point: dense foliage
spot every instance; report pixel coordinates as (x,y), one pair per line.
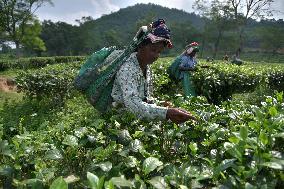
(36,62)
(19,25)
(240,146)
(47,144)
(55,81)
(118,28)
(223,79)
(217,83)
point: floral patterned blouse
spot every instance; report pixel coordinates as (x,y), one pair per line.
(132,90)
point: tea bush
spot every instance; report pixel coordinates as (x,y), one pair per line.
(231,145)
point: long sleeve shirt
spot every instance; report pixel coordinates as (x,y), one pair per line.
(187,62)
(132,90)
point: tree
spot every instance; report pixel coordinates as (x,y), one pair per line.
(84,19)
(243,10)
(87,40)
(111,38)
(31,39)
(272,38)
(183,34)
(5,49)
(16,16)
(145,21)
(63,42)
(219,19)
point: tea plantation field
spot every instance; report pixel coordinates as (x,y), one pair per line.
(52,138)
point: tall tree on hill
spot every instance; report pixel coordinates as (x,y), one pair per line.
(60,38)
(1,36)
(16,16)
(183,34)
(87,41)
(145,21)
(111,38)
(244,10)
(219,19)
(272,38)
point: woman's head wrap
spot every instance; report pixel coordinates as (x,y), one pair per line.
(158,31)
(192,47)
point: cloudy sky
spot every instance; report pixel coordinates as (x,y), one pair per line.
(70,10)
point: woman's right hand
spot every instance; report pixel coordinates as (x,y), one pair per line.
(178,115)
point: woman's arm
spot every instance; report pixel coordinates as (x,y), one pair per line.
(128,80)
(186,69)
(185,64)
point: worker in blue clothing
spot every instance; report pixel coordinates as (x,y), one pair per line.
(188,64)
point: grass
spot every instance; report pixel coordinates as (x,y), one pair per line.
(9,96)
(255,97)
(12,73)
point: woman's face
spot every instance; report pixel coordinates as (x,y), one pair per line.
(151,52)
(192,54)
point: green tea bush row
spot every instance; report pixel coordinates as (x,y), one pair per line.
(229,146)
(53,81)
(217,83)
(221,80)
(37,62)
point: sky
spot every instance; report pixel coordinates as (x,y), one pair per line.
(70,10)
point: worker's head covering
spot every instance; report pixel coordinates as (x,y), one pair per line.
(192,47)
(157,32)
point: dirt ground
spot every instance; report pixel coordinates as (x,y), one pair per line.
(7,84)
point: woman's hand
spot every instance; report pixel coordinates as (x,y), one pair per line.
(177,115)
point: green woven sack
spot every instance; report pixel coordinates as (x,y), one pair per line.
(96,76)
(89,71)
(173,70)
(95,79)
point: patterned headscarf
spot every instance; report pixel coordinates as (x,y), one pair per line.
(192,47)
(158,32)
